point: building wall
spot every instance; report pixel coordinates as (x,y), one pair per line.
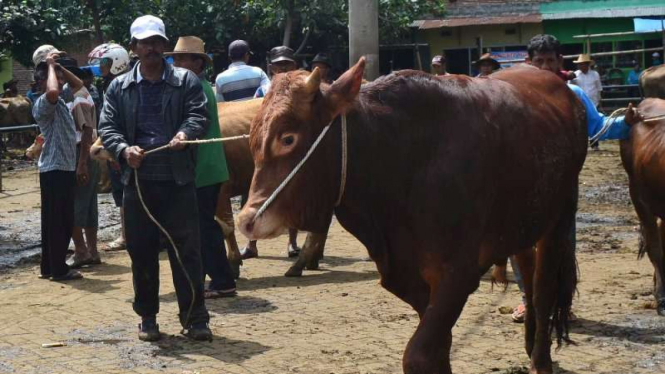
(465,36)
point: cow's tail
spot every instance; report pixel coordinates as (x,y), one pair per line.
(567,276)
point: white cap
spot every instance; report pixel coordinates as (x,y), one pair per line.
(655,54)
(43,51)
(147,26)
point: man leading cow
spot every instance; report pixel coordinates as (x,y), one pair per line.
(153,105)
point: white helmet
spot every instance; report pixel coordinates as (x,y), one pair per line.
(114,52)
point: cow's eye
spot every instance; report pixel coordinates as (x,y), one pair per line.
(287,140)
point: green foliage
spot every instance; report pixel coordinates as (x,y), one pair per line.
(25,25)
(321,24)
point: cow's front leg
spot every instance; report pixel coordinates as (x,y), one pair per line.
(428,351)
(311,254)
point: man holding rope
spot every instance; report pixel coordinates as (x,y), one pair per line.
(151,106)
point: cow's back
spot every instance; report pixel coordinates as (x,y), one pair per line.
(643,156)
(652,82)
(495,154)
(235,119)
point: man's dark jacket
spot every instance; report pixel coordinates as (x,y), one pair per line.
(184,109)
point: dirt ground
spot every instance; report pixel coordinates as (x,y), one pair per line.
(336,320)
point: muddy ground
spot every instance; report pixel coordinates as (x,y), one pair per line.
(336,320)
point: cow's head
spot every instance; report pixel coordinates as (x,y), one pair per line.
(292,116)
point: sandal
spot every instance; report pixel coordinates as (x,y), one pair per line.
(76,262)
(218,294)
(116,245)
(519,313)
(70,275)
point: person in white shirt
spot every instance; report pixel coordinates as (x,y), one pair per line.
(588,79)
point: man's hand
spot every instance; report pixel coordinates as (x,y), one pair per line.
(134,156)
(82,176)
(176,143)
(633,116)
(51,57)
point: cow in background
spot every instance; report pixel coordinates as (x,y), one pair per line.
(643,158)
(652,82)
(234,120)
(445,176)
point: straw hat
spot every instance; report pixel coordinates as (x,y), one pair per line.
(488,57)
(583,58)
(190,45)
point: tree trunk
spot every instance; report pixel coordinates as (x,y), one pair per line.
(304,41)
(92,6)
(288,27)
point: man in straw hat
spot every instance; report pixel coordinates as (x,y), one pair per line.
(153,105)
(588,79)
(486,65)
(211,172)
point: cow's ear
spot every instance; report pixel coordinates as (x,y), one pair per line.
(342,93)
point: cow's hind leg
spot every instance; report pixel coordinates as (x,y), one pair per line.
(224,216)
(651,242)
(554,283)
(428,351)
(526,263)
(311,254)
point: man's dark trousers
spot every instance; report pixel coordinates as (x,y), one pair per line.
(215,263)
(57,196)
(175,208)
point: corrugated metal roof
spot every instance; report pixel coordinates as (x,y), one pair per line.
(456,22)
(607,13)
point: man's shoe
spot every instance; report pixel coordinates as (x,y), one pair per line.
(149,330)
(199,331)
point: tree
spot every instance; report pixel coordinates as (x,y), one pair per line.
(25,25)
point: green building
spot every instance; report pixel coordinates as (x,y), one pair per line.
(505,27)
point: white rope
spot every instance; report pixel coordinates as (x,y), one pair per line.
(302,162)
(342,182)
(202,141)
(611,120)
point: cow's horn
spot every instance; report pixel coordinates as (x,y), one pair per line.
(313,81)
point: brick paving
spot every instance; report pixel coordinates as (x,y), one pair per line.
(336,320)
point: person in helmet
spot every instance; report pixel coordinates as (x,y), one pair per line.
(113,60)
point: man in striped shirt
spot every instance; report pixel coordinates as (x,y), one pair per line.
(57,162)
(240,81)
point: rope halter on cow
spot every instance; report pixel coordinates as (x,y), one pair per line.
(342,183)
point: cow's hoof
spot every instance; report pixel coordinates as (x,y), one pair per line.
(661,308)
(312,265)
(293,272)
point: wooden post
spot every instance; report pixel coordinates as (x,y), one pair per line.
(364,35)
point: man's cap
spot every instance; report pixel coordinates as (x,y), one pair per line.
(40,53)
(147,26)
(322,58)
(238,49)
(655,54)
(488,57)
(71,65)
(190,45)
(281,53)
(438,60)
(583,58)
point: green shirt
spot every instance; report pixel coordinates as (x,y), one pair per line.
(211,162)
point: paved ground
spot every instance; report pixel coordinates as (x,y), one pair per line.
(337,320)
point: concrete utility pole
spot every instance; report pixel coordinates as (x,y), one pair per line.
(364,35)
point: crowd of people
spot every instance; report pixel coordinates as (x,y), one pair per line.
(144,103)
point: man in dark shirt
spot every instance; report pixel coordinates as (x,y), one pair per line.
(153,105)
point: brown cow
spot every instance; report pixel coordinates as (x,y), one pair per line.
(643,157)
(235,119)
(652,82)
(445,176)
